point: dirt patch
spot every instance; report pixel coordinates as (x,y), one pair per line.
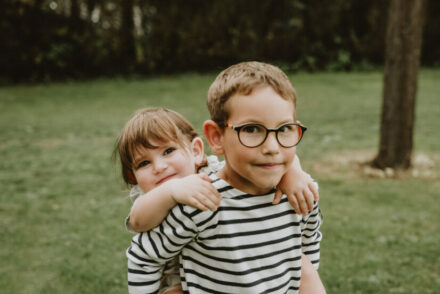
(357,165)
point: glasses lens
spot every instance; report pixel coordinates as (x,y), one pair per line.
(289,135)
(252,135)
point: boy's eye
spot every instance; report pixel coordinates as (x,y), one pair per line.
(143,163)
(286,129)
(169,150)
(252,129)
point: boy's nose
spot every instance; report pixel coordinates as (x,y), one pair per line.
(271,144)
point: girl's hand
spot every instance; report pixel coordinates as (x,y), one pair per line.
(300,189)
(197,191)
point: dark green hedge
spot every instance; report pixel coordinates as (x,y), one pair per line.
(38,43)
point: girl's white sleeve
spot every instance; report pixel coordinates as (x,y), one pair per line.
(213,165)
(135,192)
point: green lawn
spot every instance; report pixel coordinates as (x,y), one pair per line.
(62,203)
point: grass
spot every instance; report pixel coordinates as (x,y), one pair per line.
(62,204)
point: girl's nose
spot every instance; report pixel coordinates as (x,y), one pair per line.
(159,165)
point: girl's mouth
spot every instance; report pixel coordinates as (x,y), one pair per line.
(163,180)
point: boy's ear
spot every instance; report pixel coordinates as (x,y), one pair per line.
(198,150)
(213,134)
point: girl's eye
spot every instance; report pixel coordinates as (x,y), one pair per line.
(143,163)
(169,150)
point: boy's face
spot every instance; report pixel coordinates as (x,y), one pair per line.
(153,167)
(256,170)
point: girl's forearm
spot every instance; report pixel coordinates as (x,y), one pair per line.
(151,209)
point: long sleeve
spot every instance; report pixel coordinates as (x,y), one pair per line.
(149,251)
(311,236)
(248,245)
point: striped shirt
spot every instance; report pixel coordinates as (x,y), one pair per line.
(248,245)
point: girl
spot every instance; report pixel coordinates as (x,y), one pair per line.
(162,158)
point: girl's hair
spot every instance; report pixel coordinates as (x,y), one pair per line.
(148,127)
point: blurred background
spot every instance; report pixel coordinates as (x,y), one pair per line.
(46,40)
(73,72)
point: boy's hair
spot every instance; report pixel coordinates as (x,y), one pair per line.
(243,78)
(148,126)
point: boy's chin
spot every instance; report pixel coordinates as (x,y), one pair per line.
(267,185)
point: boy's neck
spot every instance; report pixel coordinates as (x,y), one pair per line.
(242,184)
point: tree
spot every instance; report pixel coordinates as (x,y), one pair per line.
(402,60)
(127,40)
(74,11)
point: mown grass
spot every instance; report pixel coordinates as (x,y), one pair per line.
(62,204)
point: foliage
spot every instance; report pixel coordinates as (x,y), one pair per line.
(38,44)
(304,34)
(62,204)
(62,39)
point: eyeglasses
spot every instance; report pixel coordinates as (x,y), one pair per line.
(253,135)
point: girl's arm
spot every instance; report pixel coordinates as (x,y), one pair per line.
(149,252)
(299,187)
(151,208)
(310,281)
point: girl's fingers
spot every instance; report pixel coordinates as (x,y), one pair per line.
(205,177)
(277,197)
(312,187)
(294,203)
(197,204)
(208,201)
(308,195)
(209,204)
(302,203)
(212,193)
(207,196)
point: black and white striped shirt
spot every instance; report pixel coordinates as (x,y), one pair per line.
(248,245)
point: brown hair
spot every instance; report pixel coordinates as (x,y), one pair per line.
(243,78)
(150,125)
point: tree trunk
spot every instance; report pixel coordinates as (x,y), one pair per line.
(90,5)
(74,11)
(127,45)
(402,60)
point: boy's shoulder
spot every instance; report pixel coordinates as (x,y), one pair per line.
(224,188)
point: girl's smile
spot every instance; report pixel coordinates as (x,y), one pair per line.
(166,178)
(154,166)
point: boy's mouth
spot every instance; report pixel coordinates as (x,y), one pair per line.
(269,165)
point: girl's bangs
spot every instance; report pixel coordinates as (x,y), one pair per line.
(154,133)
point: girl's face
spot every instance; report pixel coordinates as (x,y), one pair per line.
(169,160)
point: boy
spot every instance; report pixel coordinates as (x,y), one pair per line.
(248,245)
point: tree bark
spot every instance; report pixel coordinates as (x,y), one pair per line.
(402,61)
(127,39)
(90,5)
(74,11)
